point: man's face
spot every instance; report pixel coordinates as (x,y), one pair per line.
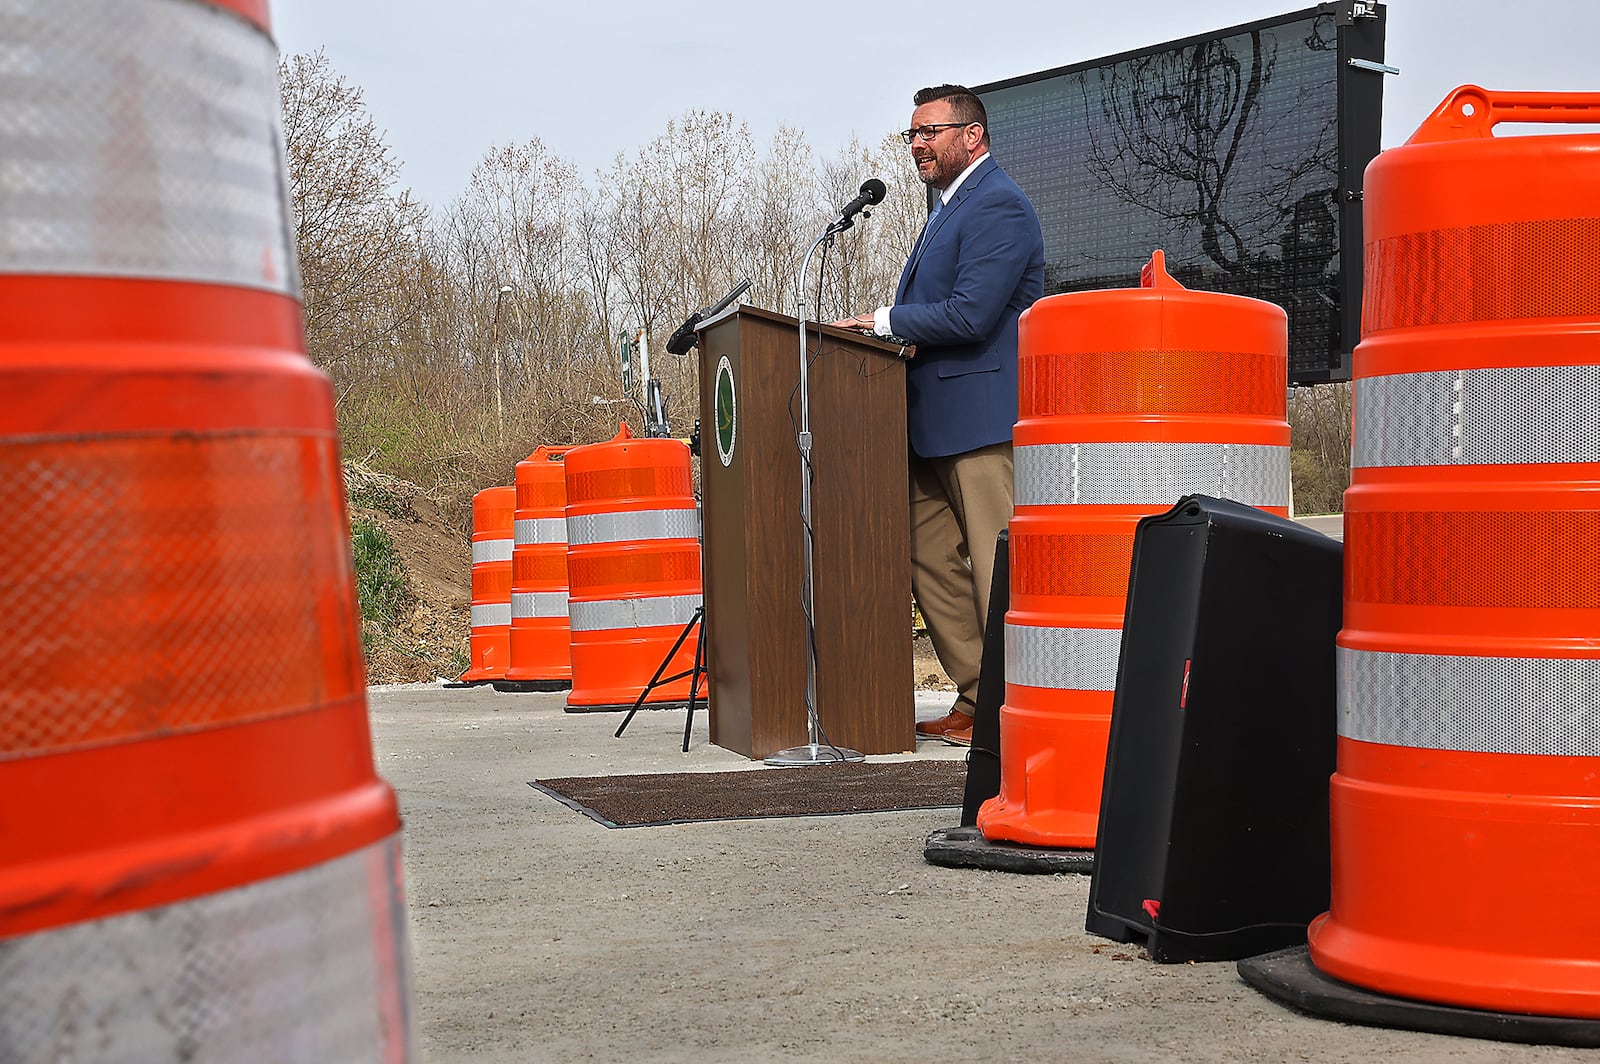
(940,160)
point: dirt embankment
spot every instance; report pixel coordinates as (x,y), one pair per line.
(430,639)
(427,636)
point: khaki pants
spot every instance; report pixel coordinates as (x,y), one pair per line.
(959,504)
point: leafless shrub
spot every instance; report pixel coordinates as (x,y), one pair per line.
(1319,455)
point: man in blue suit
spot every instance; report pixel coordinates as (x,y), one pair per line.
(977,266)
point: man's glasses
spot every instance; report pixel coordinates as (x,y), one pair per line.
(930,131)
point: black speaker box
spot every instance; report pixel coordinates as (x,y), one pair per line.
(1213,834)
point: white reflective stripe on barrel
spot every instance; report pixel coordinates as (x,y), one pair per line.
(628,525)
(1503,416)
(605,614)
(1064,659)
(308,966)
(141,140)
(492,550)
(532,530)
(491,615)
(1150,474)
(1475,704)
(529,604)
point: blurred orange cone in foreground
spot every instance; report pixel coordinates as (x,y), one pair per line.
(197,860)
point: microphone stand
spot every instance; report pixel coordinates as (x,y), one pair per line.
(813,752)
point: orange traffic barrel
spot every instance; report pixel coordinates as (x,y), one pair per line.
(493,543)
(633,566)
(541,636)
(197,859)
(1466,805)
(1129,399)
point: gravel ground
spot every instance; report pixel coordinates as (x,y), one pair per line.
(540,935)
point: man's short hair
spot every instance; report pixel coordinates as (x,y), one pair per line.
(964,106)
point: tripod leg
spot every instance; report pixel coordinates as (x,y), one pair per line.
(656,679)
(695,674)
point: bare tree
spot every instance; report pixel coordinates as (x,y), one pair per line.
(518,203)
(702,165)
(779,214)
(595,226)
(354,233)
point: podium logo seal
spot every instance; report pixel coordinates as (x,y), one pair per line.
(727,411)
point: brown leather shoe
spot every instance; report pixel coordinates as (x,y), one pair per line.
(963,737)
(935,729)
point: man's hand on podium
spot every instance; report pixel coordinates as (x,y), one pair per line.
(863,323)
(858,323)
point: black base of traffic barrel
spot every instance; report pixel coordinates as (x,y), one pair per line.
(1289,977)
(624,707)
(965,847)
(518,687)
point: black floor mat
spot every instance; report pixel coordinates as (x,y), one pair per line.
(821,790)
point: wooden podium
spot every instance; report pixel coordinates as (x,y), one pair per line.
(861,579)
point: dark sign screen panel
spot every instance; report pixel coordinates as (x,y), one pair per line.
(1225,151)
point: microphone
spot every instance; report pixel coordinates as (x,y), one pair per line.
(872,192)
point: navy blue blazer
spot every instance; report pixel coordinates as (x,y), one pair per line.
(976,269)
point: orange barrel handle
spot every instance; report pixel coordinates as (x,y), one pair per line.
(1470,111)
(1153,274)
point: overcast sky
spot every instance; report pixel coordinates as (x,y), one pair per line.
(590,79)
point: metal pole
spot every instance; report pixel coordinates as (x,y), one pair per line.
(494,345)
(813,753)
(644,362)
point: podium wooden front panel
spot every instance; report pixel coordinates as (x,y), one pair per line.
(755,628)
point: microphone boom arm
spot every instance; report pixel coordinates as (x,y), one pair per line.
(683,338)
(726,301)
